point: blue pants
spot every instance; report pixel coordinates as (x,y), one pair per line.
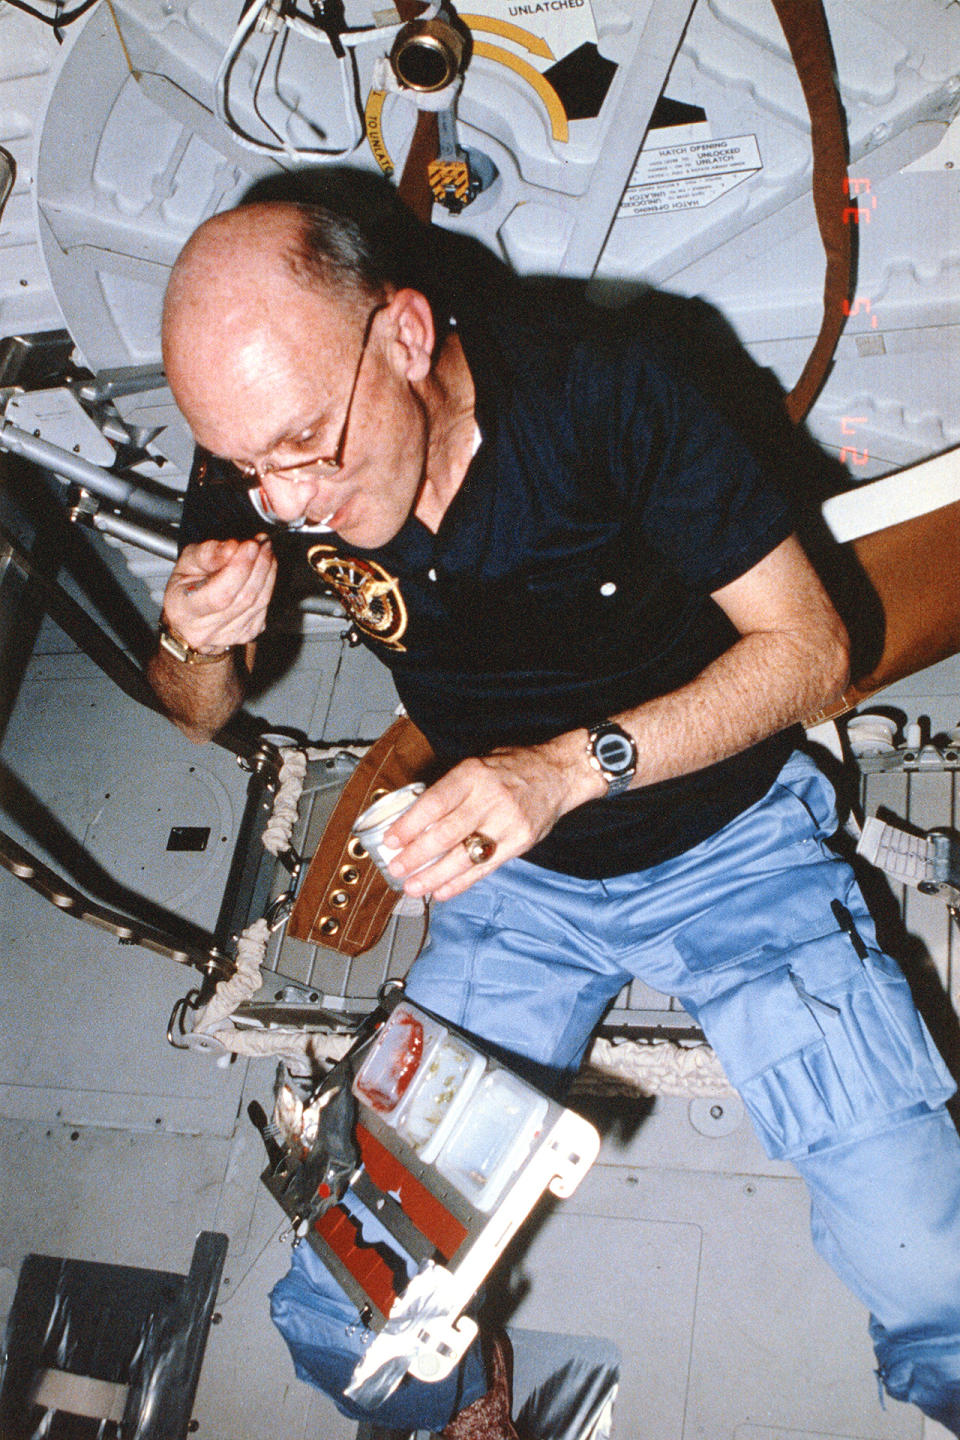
(814,1026)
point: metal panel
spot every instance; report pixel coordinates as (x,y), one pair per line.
(116,212)
(925,798)
(753,249)
(28,57)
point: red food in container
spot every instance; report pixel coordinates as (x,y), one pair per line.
(387,1072)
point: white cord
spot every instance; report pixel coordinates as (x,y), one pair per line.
(283,816)
(247,23)
(213,1020)
(660,1067)
(244,982)
(348,38)
(222,102)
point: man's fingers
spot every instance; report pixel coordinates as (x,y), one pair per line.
(431,833)
(435,807)
(205,558)
(510,797)
(258,585)
(246,568)
(219,592)
(429,842)
(223,585)
(249,623)
(454,872)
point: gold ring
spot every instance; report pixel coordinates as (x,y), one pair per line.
(479,847)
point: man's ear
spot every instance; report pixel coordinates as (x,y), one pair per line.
(415,334)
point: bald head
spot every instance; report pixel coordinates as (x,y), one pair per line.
(231,273)
(252,292)
(257,245)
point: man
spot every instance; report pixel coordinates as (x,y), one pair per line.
(592,601)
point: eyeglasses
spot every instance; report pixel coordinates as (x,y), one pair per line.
(329,464)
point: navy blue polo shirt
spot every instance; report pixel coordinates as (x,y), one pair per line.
(571,575)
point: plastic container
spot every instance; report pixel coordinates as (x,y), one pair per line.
(442,1088)
(373,823)
(405,1043)
(492,1138)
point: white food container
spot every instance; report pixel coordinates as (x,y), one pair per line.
(492,1137)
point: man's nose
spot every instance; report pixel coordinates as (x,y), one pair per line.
(288,496)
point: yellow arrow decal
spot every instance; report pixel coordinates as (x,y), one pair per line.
(534,43)
(373,124)
(549,96)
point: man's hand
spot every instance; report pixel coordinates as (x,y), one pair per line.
(792,655)
(218,593)
(216,599)
(514,797)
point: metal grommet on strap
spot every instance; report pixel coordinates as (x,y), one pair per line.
(328,925)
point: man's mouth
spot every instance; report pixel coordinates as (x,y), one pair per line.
(335,517)
(324,521)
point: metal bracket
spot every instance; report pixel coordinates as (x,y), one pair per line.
(129,931)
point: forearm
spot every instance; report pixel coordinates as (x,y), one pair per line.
(791,657)
(199,699)
(763,684)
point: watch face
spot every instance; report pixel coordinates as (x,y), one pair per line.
(614,752)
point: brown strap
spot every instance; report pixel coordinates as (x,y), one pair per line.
(805,26)
(913,568)
(344,901)
(414,185)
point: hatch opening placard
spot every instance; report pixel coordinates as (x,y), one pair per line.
(689,176)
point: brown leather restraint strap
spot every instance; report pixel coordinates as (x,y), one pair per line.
(344,901)
(414,184)
(913,569)
(414,187)
(805,26)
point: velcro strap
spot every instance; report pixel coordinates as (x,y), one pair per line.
(80,1395)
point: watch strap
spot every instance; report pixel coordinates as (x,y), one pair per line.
(176,646)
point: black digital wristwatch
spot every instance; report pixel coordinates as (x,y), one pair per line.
(614,753)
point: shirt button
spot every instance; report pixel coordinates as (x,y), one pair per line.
(431,574)
(608,588)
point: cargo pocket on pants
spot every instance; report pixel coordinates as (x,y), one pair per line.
(824,1048)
